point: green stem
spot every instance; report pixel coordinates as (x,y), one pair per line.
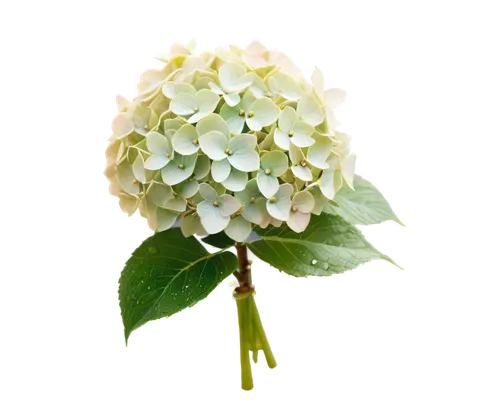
(259,329)
(246,368)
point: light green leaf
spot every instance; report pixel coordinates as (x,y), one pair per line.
(276,161)
(167,274)
(329,245)
(363,206)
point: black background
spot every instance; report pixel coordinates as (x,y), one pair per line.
(328,335)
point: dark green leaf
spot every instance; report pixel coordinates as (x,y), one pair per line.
(219,240)
(166,274)
(328,246)
(363,206)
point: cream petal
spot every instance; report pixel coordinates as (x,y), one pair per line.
(287,119)
(298,221)
(246,162)
(122,126)
(212,122)
(236,181)
(265,112)
(326,184)
(347,166)
(232,99)
(192,64)
(128,203)
(268,184)
(213,222)
(156,162)
(304,201)
(208,192)
(232,116)
(179,169)
(165,219)
(229,75)
(159,193)
(207,100)
(176,204)
(318,81)
(158,144)
(172,89)
(185,140)
(309,110)
(138,168)
(276,161)
(282,139)
(302,140)
(285,86)
(238,229)
(190,224)
(296,155)
(216,88)
(303,173)
(184,104)
(221,170)
(334,97)
(280,209)
(127,180)
(188,188)
(318,153)
(256,212)
(214,145)
(247,101)
(202,167)
(228,205)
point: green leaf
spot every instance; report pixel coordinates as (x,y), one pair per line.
(329,245)
(166,274)
(219,240)
(363,206)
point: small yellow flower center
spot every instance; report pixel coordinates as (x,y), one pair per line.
(228,152)
(251,114)
(273,199)
(216,204)
(267,171)
(253,200)
(196,109)
(294,208)
(242,113)
(303,163)
(290,133)
(180,166)
(195,141)
(135,181)
(169,155)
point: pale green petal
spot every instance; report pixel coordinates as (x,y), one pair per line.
(285,86)
(176,204)
(214,145)
(212,122)
(288,117)
(247,162)
(211,218)
(230,75)
(319,201)
(280,209)
(215,88)
(193,119)
(126,179)
(247,101)
(265,113)
(303,173)
(138,168)
(188,188)
(236,181)
(282,139)
(172,89)
(185,140)
(208,192)
(251,190)
(330,182)
(122,126)
(302,139)
(155,163)
(298,221)
(128,203)
(304,201)
(203,83)
(202,166)
(179,169)
(190,225)
(220,170)
(232,99)
(256,212)
(238,229)
(318,153)
(158,144)
(296,154)
(184,104)
(207,100)
(334,97)
(347,166)
(258,87)
(309,110)
(268,184)
(228,205)
(165,219)
(232,116)
(160,193)
(171,124)
(275,161)
(318,81)
(192,64)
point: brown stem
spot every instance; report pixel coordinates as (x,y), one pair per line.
(244,272)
